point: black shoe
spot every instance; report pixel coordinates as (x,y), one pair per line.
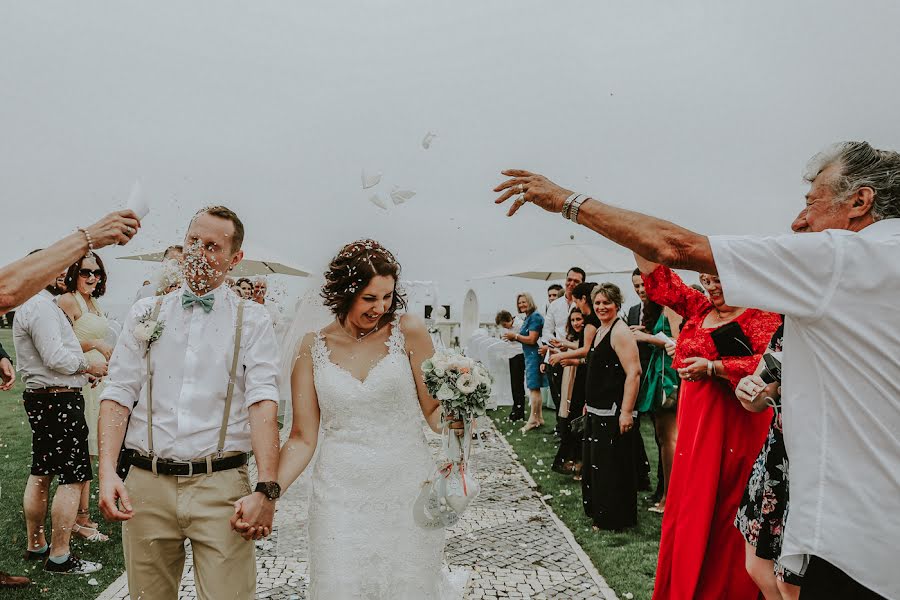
(644,485)
(516,416)
(72,566)
(31,555)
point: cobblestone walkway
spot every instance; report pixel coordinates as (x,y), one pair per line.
(509,541)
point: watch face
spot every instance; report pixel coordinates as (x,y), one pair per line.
(270,488)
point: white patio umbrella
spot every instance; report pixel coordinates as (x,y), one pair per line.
(253,264)
(551,263)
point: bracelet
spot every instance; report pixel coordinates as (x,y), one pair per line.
(567,205)
(576,206)
(710,368)
(90,241)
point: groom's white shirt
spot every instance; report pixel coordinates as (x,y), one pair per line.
(190,363)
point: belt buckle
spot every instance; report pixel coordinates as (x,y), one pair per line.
(189,464)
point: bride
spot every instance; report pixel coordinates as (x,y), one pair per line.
(359,377)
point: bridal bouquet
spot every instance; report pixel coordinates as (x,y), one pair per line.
(462,386)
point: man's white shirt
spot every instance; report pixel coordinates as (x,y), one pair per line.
(556,319)
(47,352)
(839,292)
(190,362)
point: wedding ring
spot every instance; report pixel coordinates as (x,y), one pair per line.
(521,188)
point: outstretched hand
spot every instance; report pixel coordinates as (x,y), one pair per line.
(253,516)
(531,187)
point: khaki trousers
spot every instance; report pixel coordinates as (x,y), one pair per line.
(170,509)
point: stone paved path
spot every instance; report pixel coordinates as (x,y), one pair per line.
(509,541)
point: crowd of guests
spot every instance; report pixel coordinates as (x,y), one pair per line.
(63,341)
(677,357)
(784,482)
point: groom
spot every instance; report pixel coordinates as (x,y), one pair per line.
(196,370)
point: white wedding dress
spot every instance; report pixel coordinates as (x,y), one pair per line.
(372,460)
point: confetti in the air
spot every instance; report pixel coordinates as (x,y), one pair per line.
(400,196)
(378,201)
(429,137)
(369,180)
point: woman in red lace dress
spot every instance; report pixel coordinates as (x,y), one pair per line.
(701,554)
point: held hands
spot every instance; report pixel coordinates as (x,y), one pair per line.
(531,187)
(103,348)
(694,368)
(98,369)
(670,349)
(114,502)
(570,362)
(510,336)
(253,516)
(7,375)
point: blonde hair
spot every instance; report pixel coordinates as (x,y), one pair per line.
(529,302)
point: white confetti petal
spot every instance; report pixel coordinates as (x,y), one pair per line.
(370,180)
(400,196)
(429,137)
(378,201)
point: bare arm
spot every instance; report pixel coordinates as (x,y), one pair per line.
(111,427)
(626,349)
(420,348)
(655,239)
(264,438)
(589,332)
(24,278)
(300,446)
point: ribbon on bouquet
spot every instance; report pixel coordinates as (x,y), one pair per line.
(447,469)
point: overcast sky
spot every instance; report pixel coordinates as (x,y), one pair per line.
(704,113)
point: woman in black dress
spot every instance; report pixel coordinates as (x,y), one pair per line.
(609,485)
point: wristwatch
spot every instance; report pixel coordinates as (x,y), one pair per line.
(270,489)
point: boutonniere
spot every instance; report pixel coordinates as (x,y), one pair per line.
(147,329)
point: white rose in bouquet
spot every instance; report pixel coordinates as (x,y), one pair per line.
(446,393)
(466,383)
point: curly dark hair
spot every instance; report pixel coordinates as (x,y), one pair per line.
(350,272)
(72,276)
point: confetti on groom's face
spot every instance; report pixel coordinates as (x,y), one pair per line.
(208,251)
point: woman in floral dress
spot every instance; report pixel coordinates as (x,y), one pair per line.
(763,510)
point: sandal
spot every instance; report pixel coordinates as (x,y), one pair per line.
(93,537)
(656,509)
(529,426)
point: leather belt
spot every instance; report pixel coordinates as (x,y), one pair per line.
(53,390)
(188,468)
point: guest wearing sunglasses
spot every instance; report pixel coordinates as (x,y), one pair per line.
(85,282)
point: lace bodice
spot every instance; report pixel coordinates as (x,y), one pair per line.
(385,398)
(372,460)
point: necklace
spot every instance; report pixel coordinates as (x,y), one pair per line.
(358,338)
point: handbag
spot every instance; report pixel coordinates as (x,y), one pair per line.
(578,424)
(730,340)
(446,494)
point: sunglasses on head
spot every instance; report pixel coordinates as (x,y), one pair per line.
(86,273)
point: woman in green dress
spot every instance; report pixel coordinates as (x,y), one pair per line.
(659,388)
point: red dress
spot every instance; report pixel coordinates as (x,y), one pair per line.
(701,554)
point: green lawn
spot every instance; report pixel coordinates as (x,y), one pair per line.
(626,560)
(15,452)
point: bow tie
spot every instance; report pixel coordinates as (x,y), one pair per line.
(189,298)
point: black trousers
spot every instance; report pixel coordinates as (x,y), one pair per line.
(823,580)
(517,383)
(555,374)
